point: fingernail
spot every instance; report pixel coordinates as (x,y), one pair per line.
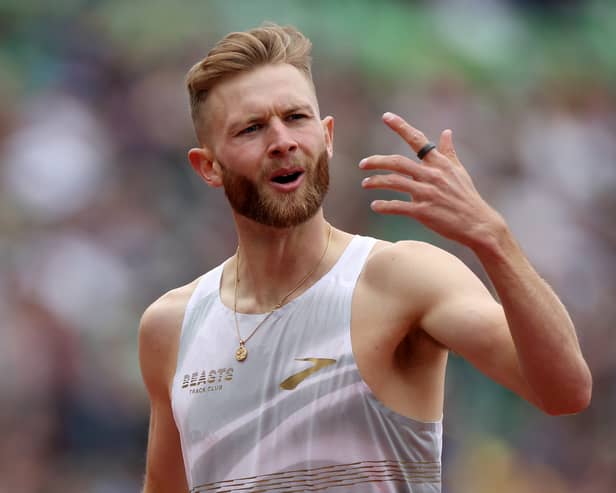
(365,180)
(362,163)
(387,116)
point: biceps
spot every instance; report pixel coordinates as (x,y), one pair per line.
(165,466)
(476,329)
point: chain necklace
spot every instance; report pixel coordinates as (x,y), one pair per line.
(241,352)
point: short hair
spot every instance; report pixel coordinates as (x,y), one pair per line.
(241,52)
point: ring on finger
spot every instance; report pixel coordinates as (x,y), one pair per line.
(422,153)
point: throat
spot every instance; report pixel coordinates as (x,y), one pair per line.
(298,284)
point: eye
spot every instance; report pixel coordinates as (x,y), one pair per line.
(251,129)
(296,116)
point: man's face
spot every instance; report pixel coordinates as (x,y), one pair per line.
(271,148)
(251,199)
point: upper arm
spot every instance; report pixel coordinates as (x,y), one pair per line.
(158,340)
(455,308)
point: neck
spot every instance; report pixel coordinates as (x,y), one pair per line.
(273,261)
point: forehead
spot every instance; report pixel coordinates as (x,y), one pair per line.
(263,89)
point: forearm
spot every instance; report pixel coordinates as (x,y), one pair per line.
(543,333)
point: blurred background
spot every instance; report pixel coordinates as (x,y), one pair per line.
(100,212)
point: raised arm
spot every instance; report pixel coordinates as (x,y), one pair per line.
(528,343)
(158,339)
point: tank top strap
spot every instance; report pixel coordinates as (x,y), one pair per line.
(351,262)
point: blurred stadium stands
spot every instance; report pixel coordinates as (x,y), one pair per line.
(100,212)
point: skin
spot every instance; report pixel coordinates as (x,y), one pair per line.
(429,301)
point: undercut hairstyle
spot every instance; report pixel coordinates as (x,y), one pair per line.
(241,52)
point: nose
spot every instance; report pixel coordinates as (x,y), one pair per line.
(281,141)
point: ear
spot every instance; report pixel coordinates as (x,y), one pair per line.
(204,164)
(328,131)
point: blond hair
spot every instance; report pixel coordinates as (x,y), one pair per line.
(240,52)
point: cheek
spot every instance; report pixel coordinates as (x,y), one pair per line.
(243,159)
(314,143)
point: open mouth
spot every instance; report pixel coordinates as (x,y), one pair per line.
(287,178)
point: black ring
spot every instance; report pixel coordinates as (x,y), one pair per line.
(425,150)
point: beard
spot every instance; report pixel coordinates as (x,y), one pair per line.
(260,203)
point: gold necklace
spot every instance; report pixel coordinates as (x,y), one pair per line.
(241,352)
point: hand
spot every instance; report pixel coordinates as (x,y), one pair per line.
(442,194)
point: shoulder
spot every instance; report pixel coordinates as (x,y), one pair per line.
(159,333)
(166,311)
(415,268)
(409,257)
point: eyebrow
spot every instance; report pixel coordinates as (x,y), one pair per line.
(254,117)
(298,107)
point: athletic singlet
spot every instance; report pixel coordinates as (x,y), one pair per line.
(295,416)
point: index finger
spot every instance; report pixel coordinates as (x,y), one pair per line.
(413,137)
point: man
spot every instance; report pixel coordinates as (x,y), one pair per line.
(313,359)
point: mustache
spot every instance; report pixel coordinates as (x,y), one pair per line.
(268,170)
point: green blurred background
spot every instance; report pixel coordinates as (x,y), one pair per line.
(100,212)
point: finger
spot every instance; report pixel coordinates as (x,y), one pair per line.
(413,137)
(396,207)
(397,183)
(446,147)
(398,164)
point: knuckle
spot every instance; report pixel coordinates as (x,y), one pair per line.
(439,179)
(420,207)
(373,181)
(436,177)
(430,191)
(398,161)
(417,135)
(389,179)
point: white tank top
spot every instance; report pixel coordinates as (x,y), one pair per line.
(295,416)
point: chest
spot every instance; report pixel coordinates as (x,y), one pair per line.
(300,352)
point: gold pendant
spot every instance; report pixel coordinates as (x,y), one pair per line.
(241,353)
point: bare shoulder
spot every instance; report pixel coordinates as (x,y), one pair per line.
(159,333)
(418,276)
(405,251)
(413,265)
(162,316)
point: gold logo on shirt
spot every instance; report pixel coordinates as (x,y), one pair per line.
(207,381)
(294,380)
